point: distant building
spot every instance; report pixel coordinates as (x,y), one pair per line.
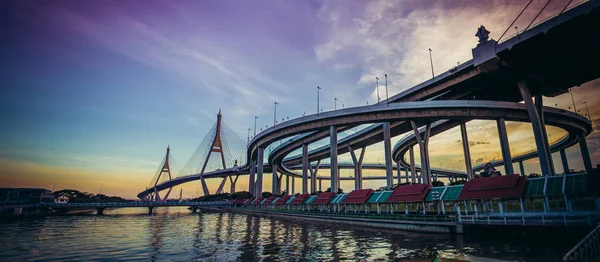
(23,196)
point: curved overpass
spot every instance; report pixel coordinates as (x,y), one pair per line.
(561,45)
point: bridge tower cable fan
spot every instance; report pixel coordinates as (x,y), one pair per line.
(230,148)
(164,168)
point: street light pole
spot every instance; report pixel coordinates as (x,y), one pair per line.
(431,61)
(377,87)
(387,98)
(255,117)
(573,100)
(318,88)
(275,114)
(248,138)
(334,103)
(588,110)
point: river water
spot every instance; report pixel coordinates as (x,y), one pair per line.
(175,234)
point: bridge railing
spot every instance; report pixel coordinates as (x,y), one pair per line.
(134,204)
(588,249)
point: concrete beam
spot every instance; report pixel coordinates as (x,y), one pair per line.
(305,168)
(585,153)
(565,162)
(387,147)
(466,150)
(505,146)
(357,166)
(333,154)
(259,176)
(536,123)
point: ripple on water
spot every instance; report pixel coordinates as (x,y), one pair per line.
(175,234)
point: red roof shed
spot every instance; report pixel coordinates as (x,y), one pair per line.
(409,193)
(359,196)
(493,187)
(282,200)
(324,198)
(299,199)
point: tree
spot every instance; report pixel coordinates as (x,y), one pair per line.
(241,195)
(266,194)
(437,183)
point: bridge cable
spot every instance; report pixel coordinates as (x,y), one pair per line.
(536,16)
(513,22)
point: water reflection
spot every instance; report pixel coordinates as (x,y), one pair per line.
(176,234)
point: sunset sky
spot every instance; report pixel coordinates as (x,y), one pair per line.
(92,92)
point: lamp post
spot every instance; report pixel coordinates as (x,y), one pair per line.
(588,110)
(377,87)
(275,114)
(387,98)
(431,61)
(318,89)
(573,100)
(517,29)
(248,143)
(255,117)
(334,103)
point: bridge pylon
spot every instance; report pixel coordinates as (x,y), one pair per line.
(216,147)
(166,170)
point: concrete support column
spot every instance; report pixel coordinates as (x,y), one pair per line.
(466,150)
(320,185)
(522,168)
(313,177)
(287,185)
(251,178)
(387,147)
(219,190)
(536,123)
(305,168)
(333,156)
(233,182)
(275,179)
(259,174)
(150,210)
(539,106)
(565,162)
(505,147)
(423,145)
(357,166)
(293,185)
(413,169)
(585,153)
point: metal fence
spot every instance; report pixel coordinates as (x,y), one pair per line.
(588,249)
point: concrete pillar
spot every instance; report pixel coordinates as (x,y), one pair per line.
(357,166)
(293,185)
(287,185)
(536,123)
(150,210)
(565,162)
(232,183)
(413,169)
(305,168)
(539,106)
(505,146)
(276,186)
(399,172)
(406,171)
(387,147)
(320,185)
(259,173)
(251,182)
(313,177)
(522,168)
(466,150)
(423,146)
(585,153)
(333,156)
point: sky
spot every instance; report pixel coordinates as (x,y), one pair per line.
(94,91)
